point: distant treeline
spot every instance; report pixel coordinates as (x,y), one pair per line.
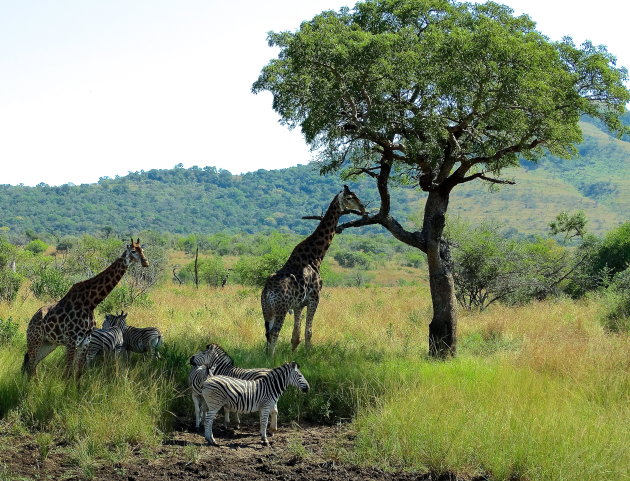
(207,200)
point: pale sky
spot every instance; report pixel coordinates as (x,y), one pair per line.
(100,88)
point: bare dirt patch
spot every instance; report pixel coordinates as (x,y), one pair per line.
(313,453)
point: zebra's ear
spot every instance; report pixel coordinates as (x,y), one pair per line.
(208,346)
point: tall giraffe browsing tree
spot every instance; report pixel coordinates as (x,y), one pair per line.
(70,321)
(297,284)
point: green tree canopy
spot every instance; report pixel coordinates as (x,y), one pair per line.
(436,93)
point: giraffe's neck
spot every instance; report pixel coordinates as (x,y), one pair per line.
(312,250)
(92,291)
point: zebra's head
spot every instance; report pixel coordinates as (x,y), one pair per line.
(210,357)
(296,378)
(115,320)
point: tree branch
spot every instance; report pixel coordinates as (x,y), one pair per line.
(482,176)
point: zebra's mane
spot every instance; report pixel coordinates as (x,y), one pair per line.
(220,350)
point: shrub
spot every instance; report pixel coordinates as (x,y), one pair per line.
(122,297)
(211,271)
(351,259)
(36,246)
(617,316)
(414,259)
(8,330)
(614,251)
(10,283)
(253,271)
(49,283)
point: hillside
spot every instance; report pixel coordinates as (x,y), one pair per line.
(207,200)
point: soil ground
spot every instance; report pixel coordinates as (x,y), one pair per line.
(310,453)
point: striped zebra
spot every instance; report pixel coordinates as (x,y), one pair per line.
(251,396)
(105,341)
(196,378)
(136,339)
(220,363)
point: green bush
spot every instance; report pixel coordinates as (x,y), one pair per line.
(36,246)
(253,271)
(211,271)
(10,283)
(351,259)
(617,316)
(614,251)
(414,259)
(123,297)
(49,283)
(8,330)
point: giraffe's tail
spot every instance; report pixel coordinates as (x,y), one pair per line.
(25,363)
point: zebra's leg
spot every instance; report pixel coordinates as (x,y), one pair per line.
(238,420)
(210,415)
(311,307)
(203,407)
(82,347)
(226,417)
(264,419)
(195,400)
(155,347)
(273,425)
(297,326)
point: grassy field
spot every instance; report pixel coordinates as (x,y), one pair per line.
(539,392)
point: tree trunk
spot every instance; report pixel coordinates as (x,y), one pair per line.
(196,269)
(443,327)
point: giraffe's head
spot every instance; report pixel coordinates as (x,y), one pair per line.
(349,201)
(134,253)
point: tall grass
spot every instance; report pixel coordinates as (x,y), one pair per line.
(539,392)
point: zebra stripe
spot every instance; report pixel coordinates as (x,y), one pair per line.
(136,339)
(104,341)
(221,364)
(251,396)
(196,378)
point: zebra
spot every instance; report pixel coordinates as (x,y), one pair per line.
(104,341)
(196,378)
(250,396)
(136,339)
(220,363)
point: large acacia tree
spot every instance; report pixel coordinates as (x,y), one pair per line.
(436,93)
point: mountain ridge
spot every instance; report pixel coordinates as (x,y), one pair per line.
(206,200)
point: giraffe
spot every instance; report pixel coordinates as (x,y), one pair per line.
(297,284)
(70,321)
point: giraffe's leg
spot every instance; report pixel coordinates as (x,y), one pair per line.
(311,307)
(274,332)
(36,350)
(297,326)
(70,356)
(36,357)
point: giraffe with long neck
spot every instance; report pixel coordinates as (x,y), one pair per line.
(297,284)
(70,321)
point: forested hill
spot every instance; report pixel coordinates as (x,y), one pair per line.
(207,200)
